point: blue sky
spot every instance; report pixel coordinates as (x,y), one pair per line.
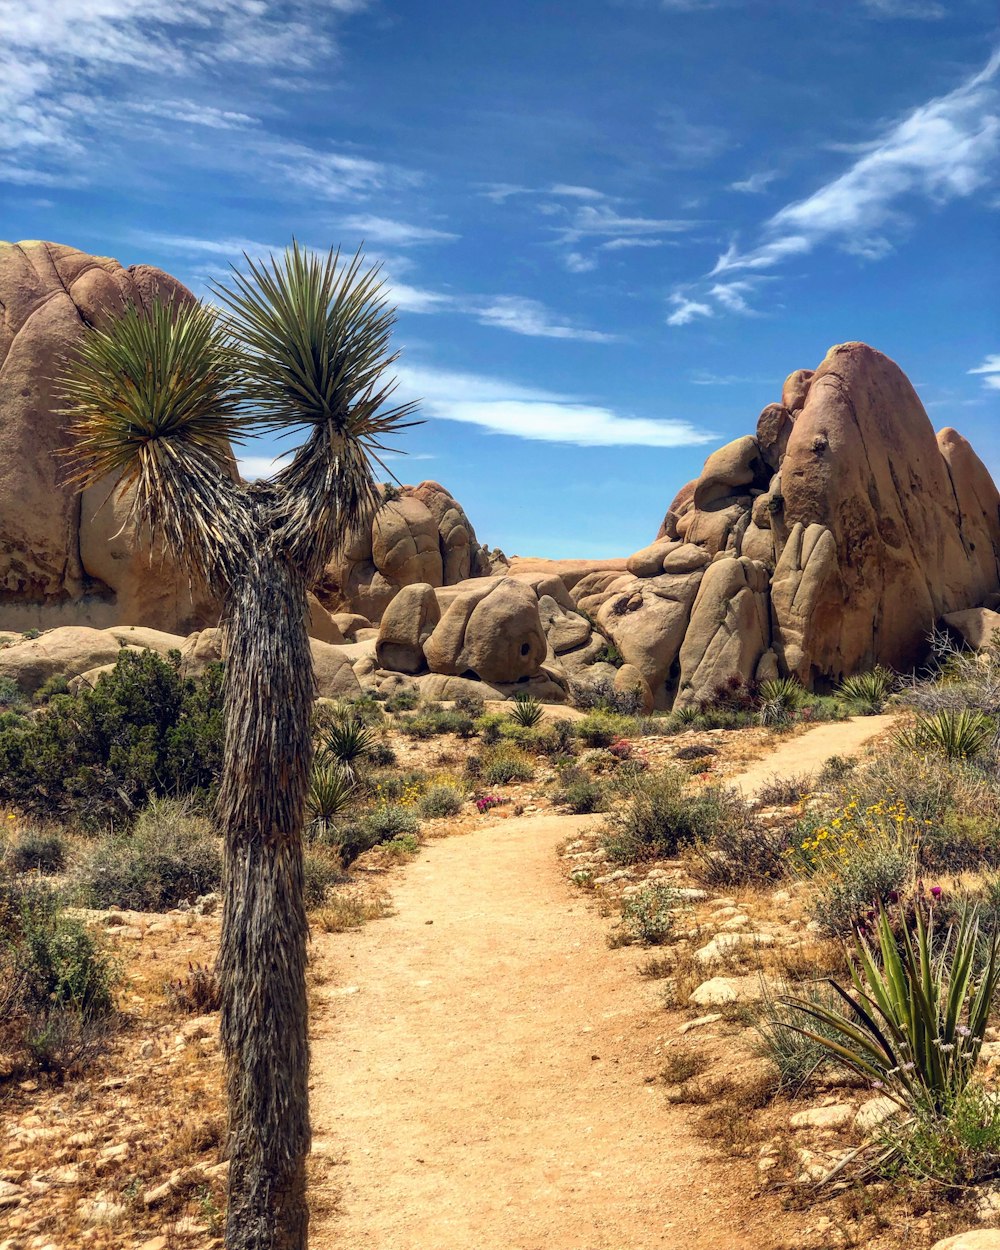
(611,228)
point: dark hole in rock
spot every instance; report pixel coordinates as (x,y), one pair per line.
(522,680)
(525,648)
(470,674)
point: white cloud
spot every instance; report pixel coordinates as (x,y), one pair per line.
(395,233)
(590,221)
(990,371)
(530,317)
(756,183)
(687,310)
(503,407)
(253,467)
(732,296)
(942,150)
(617,245)
(576,262)
(923,10)
(194,113)
(189,245)
(576,193)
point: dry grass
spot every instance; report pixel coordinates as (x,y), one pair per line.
(350,909)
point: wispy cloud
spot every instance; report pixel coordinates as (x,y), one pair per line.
(393,233)
(530,317)
(195,113)
(591,221)
(504,407)
(923,10)
(990,371)
(756,183)
(687,310)
(941,151)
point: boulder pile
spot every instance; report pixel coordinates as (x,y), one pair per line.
(833,538)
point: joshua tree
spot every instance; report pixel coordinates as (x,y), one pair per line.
(155,400)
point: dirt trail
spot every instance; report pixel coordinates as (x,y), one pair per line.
(479,1072)
(808,753)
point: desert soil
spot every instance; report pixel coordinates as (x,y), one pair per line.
(483,1063)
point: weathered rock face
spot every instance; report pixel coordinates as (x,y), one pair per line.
(914,520)
(420,534)
(492,631)
(65,559)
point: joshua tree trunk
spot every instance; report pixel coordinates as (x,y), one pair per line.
(262,961)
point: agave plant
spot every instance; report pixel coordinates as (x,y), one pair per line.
(957,733)
(917,1017)
(155,398)
(869,692)
(527,711)
(331,792)
(348,741)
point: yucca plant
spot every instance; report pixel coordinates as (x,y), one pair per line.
(957,733)
(155,398)
(331,791)
(869,692)
(348,741)
(916,1020)
(784,690)
(527,711)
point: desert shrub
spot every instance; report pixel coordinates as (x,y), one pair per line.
(869,692)
(784,791)
(404,788)
(734,694)
(473,705)
(389,820)
(473,767)
(56,981)
(505,763)
(143,731)
(196,993)
(402,701)
(650,914)
(441,799)
(11,694)
(348,742)
(38,851)
(959,1148)
(580,793)
(49,688)
(836,768)
(600,694)
(778,700)
(741,851)
(437,720)
(490,726)
(320,871)
(957,679)
(658,815)
(527,711)
(381,754)
(599,729)
(171,856)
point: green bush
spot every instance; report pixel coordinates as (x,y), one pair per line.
(505,763)
(437,720)
(872,874)
(382,755)
(600,729)
(53,686)
(473,705)
(319,873)
(798,1055)
(580,793)
(650,914)
(171,856)
(526,711)
(869,692)
(402,701)
(490,726)
(38,852)
(658,816)
(958,1148)
(99,756)
(958,734)
(11,694)
(441,799)
(390,820)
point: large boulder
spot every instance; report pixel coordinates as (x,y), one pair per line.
(914,524)
(66,558)
(407,623)
(64,652)
(492,631)
(730,628)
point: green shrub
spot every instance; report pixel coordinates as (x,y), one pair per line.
(382,755)
(437,720)
(796,1054)
(958,1148)
(505,763)
(600,729)
(53,686)
(526,711)
(390,820)
(99,756)
(740,851)
(319,873)
(473,705)
(11,694)
(442,799)
(600,694)
(657,816)
(34,851)
(171,856)
(332,791)
(402,701)
(490,726)
(348,742)
(580,793)
(650,914)
(871,875)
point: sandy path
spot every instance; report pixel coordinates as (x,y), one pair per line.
(807,753)
(483,1085)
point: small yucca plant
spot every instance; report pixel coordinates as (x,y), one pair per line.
(869,692)
(331,792)
(779,698)
(960,734)
(527,711)
(918,1014)
(348,741)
